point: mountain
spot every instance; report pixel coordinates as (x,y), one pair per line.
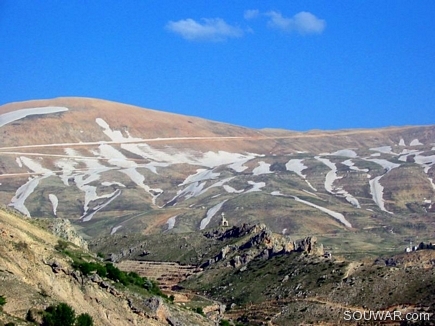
(114,168)
(35,273)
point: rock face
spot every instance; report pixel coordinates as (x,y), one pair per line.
(258,241)
(62,228)
(34,275)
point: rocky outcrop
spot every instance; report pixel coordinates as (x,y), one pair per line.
(34,275)
(257,241)
(62,228)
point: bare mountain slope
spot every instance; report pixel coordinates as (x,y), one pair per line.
(111,167)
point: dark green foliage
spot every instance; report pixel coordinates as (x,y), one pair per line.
(2,300)
(60,315)
(30,317)
(199,310)
(61,245)
(86,268)
(115,274)
(84,320)
(64,315)
(224,322)
(152,287)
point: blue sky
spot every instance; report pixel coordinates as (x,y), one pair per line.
(296,65)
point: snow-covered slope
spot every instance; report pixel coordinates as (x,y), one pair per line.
(115,168)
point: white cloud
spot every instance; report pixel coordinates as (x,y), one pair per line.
(209,29)
(251,14)
(303,22)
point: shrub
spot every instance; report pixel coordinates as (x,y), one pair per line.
(224,322)
(86,268)
(2,300)
(64,315)
(84,320)
(60,315)
(199,310)
(61,245)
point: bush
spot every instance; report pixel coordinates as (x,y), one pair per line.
(199,310)
(2,301)
(64,315)
(224,322)
(60,315)
(84,320)
(61,245)
(86,268)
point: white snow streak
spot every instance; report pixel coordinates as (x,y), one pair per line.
(54,202)
(332,213)
(330,178)
(376,189)
(27,189)
(171,222)
(210,213)
(9,117)
(296,166)
(114,229)
(100,207)
(352,166)
(200,175)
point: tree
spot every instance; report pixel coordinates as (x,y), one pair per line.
(84,320)
(60,315)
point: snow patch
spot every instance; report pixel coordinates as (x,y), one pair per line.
(383,149)
(330,178)
(296,166)
(387,165)
(171,222)
(231,190)
(262,168)
(114,229)
(54,202)
(352,166)
(9,117)
(256,186)
(210,213)
(377,191)
(332,213)
(200,175)
(108,184)
(20,164)
(340,217)
(100,207)
(415,142)
(345,152)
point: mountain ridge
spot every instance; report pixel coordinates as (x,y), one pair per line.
(110,167)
